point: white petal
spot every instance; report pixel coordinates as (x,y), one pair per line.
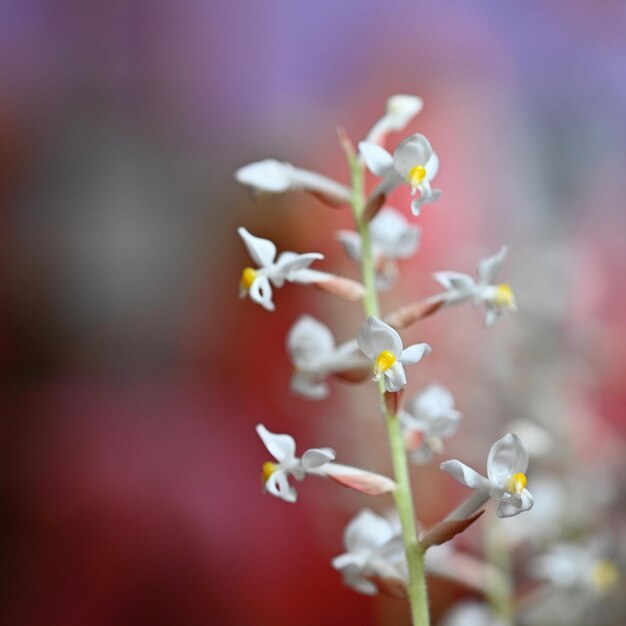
(289,264)
(351,243)
(488,268)
(415,150)
(507,456)
(395,377)
(401,109)
(262,251)
(407,243)
(281,447)
(366,531)
(444,425)
(308,341)
(434,400)
(413,354)
(314,458)
(510,508)
(268,175)
(427,197)
(377,159)
(465,475)
(432,167)
(261,292)
(375,336)
(463,283)
(309,386)
(278,485)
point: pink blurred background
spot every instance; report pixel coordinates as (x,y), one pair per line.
(134,377)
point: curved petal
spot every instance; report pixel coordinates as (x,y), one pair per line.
(314,458)
(401,109)
(309,340)
(427,197)
(406,244)
(289,264)
(395,377)
(268,175)
(261,292)
(415,353)
(377,159)
(262,251)
(375,336)
(507,456)
(281,447)
(415,150)
(487,270)
(513,506)
(445,424)
(278,485)
(458,281)
(465,475)
(388,225)
(434,400)
(351,243)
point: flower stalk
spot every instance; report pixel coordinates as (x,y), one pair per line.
(416,591)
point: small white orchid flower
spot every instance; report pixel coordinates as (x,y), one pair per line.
(573,566)
(506,479)
(315,357)
(271,271)
(316,461)
(382,344)
(272,176)
(392,237)
(428,419)
(463,288)
(413,162)
(374,559)
(399,112)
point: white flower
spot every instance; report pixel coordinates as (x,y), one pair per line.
(462,288)
(316,461)
(413,162)
(400,110)
(505,482)
(573,566)
(272,176)
(374,554)
(315,357)
(392,237)
(283,449)
(382,344)
(271,271)
(429,418)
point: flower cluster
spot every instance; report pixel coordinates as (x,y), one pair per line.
(380,554)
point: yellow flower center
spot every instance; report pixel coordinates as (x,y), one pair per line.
(504,296)
(516,484)
(604,575)
(248,276)
(416,175)
(384,361)
(268,469)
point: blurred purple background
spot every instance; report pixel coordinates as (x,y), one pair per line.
(133,376)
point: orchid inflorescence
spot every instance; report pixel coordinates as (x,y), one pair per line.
(382,553)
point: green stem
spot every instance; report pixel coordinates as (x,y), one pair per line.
(417,593)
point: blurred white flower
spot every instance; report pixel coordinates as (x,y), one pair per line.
(392,237)
(272,176)
(573,566)
(428,419)
(374,554)
(400,110)
(505,482)
(472,614)
(315,357)
(271,271)
(462,288)
(413,162)
(316,461)
(382,345)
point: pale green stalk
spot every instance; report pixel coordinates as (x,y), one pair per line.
(417,593)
